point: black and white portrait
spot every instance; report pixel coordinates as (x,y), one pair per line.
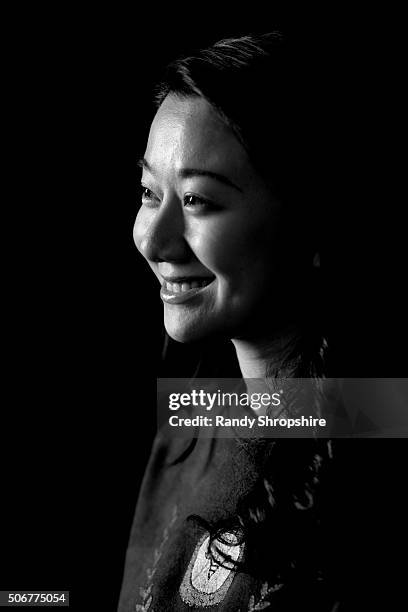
(205,366)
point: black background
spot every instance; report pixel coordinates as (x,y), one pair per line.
(81,310)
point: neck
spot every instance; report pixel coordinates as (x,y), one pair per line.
(257,357)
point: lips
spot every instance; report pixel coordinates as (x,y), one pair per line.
(176,290)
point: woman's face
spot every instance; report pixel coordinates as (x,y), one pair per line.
(208,226)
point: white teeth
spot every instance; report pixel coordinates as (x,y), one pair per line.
(182,287)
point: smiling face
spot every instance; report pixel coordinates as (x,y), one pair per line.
(208,226)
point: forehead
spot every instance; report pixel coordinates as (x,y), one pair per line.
(187,132)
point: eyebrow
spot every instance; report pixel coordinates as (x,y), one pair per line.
(189,172)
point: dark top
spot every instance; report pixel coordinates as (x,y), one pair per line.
(361,523)
(168,566)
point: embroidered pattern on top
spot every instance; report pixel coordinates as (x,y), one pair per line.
(146,593)
(209,576)
(262,603)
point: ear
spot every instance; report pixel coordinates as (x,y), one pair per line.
(316,260)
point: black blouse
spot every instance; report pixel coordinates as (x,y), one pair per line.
(168,566)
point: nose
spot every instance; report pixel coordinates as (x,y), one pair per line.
(159,233)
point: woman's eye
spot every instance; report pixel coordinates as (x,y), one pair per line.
(193,201)
(148,196)
(146,193)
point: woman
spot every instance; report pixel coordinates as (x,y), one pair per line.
(229,224)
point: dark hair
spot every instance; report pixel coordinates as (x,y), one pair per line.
(266,91)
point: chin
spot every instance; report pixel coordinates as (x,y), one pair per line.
(185,329)
(195,329)
(186,333)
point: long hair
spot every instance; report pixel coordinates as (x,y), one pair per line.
(267,91)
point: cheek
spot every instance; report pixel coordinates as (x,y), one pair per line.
(234,249)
